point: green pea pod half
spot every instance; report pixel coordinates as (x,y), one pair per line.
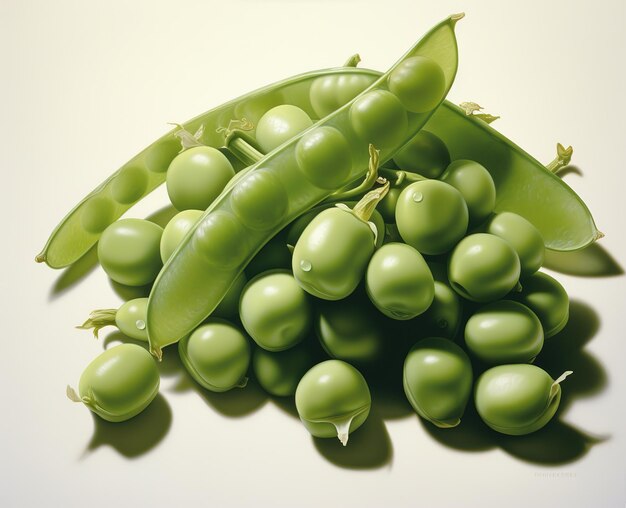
(293,178)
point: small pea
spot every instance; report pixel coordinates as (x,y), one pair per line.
(333,399)
(483,267)
(280,372)
(119,383)
(175,231)
(216,355)
(419,83)
(129,184)
(517,399)
(130,319)
(379,118)
(547,299)
(504,332)
(476,185)
(280,124)
(250,198)
(438,381)
(351,85)
(424,154)
(97,214)
(324,157)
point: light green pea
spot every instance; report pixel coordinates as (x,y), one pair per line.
(216,355)
(130,319)
(379,118)
(118,384)
(517,399)
(175,231)
(419,83)
(333,399)
(438,381)
(280,124)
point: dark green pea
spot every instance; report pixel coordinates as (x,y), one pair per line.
(483,268)
(517,399)
(504,332)
(547,299)
(523,237)
(474,182)
(228,308)
(279,372)
(379,118)
(438,381)
(398,281)
(216,355)
(118,384)
(249,200)
(333,399)
(129,251)
(431,216)
(280,124)
(419,83)
(324,157)
(424,154)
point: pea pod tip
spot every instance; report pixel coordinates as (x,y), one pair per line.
(454,18)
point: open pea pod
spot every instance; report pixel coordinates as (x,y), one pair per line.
(82,226)
(293,178)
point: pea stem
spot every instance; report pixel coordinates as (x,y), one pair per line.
(555,385)
(242,146)
(366,185)
(98,319)
(562,159)
(353,61)
(187,139)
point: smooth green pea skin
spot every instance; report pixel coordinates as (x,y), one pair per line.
(476,185)
(129,251)
(387,206)
(424,154)
(196,177)
(273,255)
(516,399)
(419,83)
(175,231)
(120,383)
(438,381)
(331,255)
(431,216)
(280,124)
(504,332)
(350,330)
(483,268)
(333,399)
(131,317)
(250,197)
(379,118)
(275,311)
(217,355)
(328,93)
(279,372)
(545,296)
(399,282)
(228,308)
(523,237)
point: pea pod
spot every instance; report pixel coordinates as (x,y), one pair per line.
(284,184)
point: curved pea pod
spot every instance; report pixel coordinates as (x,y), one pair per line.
(284,184)
(118,384)
(130,318)
(438,381)
(517,399)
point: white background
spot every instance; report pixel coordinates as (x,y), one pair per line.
(86,85)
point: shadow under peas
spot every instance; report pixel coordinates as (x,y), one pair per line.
(74,273)
(130,292)
(570,170)
(369,447)
(134,437)
(163,215)
(592,261)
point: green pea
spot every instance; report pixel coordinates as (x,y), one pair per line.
(350,85)
(118,384)
(504,332)
(197,176)
(398,281)
(216,355)
(323,95)
(523,237)
(474,182)
(131,318)
(324,157)
(333,399)
(517,399)
(387,207)
(438,381)
(483,267)
(275,311)
(97,214)
(228,308)
(280,124)
(175,231)
(220,238)
(419,83)
(129,184)
(547,299)
(331,256)
(379,118)
(424,154)
(129,251)
(249,200)
(431,216)
(280,372)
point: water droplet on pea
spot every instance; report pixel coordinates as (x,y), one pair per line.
(306,265)
(140,324)
(418,197)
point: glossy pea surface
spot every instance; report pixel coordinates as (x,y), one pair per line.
(175,231)
(328,93)
(483,267)
(516,399)
(438,381)
(216,355)
(379,118)
(279,372)
(249,200)
(547,298)
(120,382)
(275,311)
(129,251)
(280,124)
(419,83)
(474,182)
(424,154)
(398,281)
(131,317)
(504,332)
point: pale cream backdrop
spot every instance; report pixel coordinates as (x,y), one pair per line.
(85,85)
